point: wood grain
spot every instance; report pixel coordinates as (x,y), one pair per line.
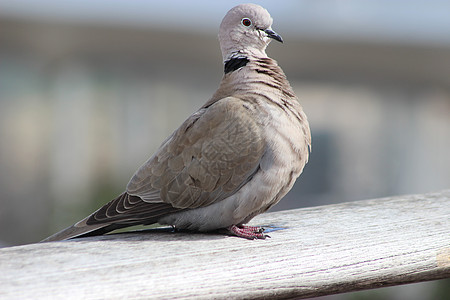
(321,250)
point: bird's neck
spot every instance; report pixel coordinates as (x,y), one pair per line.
(250,53)
(250,75)
(237,59)
(245,69)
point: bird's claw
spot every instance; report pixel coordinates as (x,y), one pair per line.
(248,232)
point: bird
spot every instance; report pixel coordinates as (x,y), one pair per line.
(232,159)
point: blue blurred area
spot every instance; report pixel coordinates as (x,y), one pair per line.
(415,21)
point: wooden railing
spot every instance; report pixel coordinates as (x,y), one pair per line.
(312,252)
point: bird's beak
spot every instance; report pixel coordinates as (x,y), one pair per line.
(273,35)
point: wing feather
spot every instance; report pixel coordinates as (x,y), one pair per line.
(207,159)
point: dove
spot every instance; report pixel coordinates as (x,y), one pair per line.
(232,159)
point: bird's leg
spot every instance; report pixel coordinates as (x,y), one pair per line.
(248,232)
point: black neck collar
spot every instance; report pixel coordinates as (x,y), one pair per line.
(234,63)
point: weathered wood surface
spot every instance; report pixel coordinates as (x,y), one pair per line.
(322,250)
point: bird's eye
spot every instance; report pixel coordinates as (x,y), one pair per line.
(246,22)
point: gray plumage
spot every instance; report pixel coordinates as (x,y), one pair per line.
(233,159)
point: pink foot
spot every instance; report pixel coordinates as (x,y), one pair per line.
(248,232)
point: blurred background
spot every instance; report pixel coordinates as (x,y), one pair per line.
(89,90)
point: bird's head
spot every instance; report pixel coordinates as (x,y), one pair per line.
(246,28)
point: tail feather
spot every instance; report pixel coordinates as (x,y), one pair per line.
(124,211)
(74,231)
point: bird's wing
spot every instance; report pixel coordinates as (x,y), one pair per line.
(213,153)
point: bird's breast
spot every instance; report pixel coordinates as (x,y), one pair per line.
(284,158)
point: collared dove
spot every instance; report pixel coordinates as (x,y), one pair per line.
(233,159)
